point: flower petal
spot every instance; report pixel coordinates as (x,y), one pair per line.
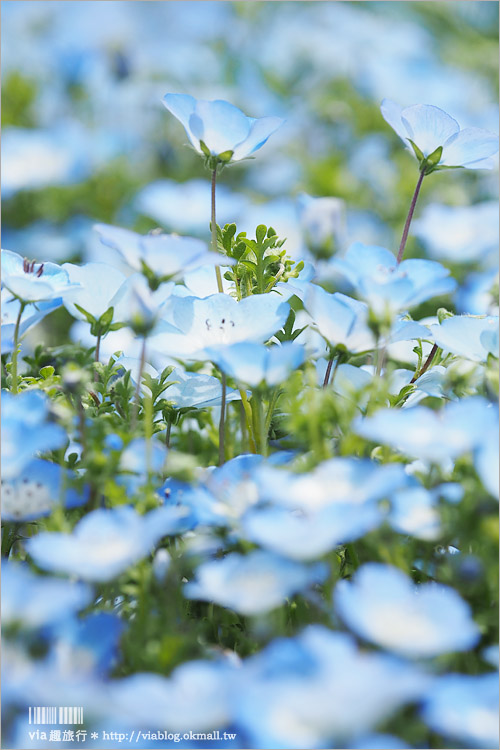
(220,125)
(391,112)
(182,106)
(469,146)
(428,127)
(260,131)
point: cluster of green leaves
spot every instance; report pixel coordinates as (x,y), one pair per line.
(260,263)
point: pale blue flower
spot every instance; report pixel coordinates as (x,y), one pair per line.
(91,641)
(34,282)
(98,284)
(300,535)
(381,604)
(254,364)
(431,128)
(26,431)
(137,305)
(377,278)
(164,255)
(318,689)
(31,315)
(459,234)
(341,320)
(36,491)
(216,322)
(487,456)
(464,707)
(323,222)
(34,601)
(104,543)
(413,512)
(467,336)
(220,127)
(252,584)
(433,436)
(478,294)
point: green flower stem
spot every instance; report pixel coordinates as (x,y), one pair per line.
(222,422)
(259,423)
(137,396)
(16,347)
(353,555)
(214,232)
(248,414)
(97,355)
(9,536)
(426,364)
(272,403)
(148,432)
(410,216)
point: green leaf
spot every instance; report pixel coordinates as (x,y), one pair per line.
(225,157)
(433,159)
(90,318)
(205,149)
(417,151)
(260,233)
(106,318)
(47,372)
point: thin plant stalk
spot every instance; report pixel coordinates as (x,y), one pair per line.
(248,414)
(137,395)
(97,354)
(214,232)
(409,217)
(426,364)
(15,352)
(222,422)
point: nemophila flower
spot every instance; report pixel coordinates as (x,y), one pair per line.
(308,536)
(252,584)
(319,688)
(31,315)
(26,431)
(33,282)
(219,129)
(381,604)
(342,320)
(34,601)
(436,137)
(182,206)
(487,455)
(137,305)
(349,481)
(254,364)
(36,491)
(478,294)
(99,282)
(464,708)
(166,256)
(433,436)
(196,697)
(468,336)
(460,234)
(323,223)
(216,322)
(413,512)
(387,286)
(91,642)
(104,543)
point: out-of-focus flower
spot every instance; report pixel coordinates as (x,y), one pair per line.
(34,282)
(26,431)
(98,284)
(433,133)
(460,234)
(433,436)
(254,364)
(34,600)
(464,708)
(253,583)
(216,322)
(36,491)
(219,129)
(323,223)
(467,336)
(166,256)
(342,320)
(386,286)
(104,543)
(383,605)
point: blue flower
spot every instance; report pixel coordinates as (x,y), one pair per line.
(26,431)
(467,336)
(323,222)
(104,543)
(166,256)
(34,600)
(31,315)
(251,584)
(374,273)
(218,129)
(429,128)
(36,491)
(342,320)
(381,604)
(464,708)
(99,282)
(33,282)
(433,436)
(216,322)
(91,641)
(254,364)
